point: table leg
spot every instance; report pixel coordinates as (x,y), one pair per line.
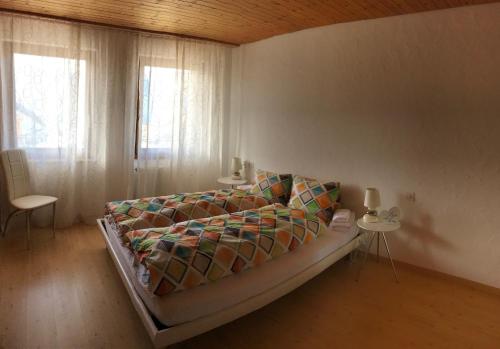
(28,229)
(378,246)
(390,258)
(366,255)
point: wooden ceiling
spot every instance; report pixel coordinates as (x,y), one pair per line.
(230,21)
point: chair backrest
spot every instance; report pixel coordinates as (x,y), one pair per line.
(16,173)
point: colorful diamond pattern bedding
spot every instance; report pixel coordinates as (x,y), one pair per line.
(163,211)
(320,199)
(199,251)
(273,186)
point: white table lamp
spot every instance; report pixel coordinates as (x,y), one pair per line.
(372,201)
(236,167)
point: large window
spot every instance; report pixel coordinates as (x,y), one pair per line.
(51,101)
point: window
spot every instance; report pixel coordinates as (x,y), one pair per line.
(51,100)
(52,103)
(158,99)
(159,104)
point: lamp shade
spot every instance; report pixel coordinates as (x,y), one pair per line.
(372,198)
(236,164)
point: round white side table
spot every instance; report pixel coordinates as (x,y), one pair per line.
(377,229)
(230,181)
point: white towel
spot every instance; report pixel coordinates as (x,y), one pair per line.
(341,215)
(342,218)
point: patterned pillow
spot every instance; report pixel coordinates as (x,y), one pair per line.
(317,198)
(273,186)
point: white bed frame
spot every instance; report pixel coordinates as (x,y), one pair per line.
(164,337)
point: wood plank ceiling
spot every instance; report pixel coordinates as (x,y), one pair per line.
(230,21)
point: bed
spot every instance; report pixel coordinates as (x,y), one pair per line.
(181,315)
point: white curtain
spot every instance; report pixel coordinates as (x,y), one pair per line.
(182,106)
(70,98)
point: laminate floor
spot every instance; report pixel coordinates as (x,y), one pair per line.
(66,293)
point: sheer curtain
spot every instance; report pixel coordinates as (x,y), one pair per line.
(64,90)
(182,105)
(107,114)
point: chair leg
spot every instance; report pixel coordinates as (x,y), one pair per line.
(28,229)
(7,221)
(54,220)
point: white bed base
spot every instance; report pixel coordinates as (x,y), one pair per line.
(164,337)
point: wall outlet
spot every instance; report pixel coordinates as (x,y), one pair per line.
(411,197)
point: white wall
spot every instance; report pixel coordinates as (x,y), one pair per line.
(406,104)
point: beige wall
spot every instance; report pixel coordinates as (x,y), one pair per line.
(406,104)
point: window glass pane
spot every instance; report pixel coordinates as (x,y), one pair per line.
(50,101)
(158,100)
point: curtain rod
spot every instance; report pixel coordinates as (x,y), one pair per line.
(113,26)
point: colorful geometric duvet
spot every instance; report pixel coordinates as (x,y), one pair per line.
(199,251)
(163,211)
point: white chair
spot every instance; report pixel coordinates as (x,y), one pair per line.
(17,180)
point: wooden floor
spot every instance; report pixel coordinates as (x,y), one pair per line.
(65,293)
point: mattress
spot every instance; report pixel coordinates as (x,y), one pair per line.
(191,304)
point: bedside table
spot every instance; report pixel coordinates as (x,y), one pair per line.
(230,181)
(377,229)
